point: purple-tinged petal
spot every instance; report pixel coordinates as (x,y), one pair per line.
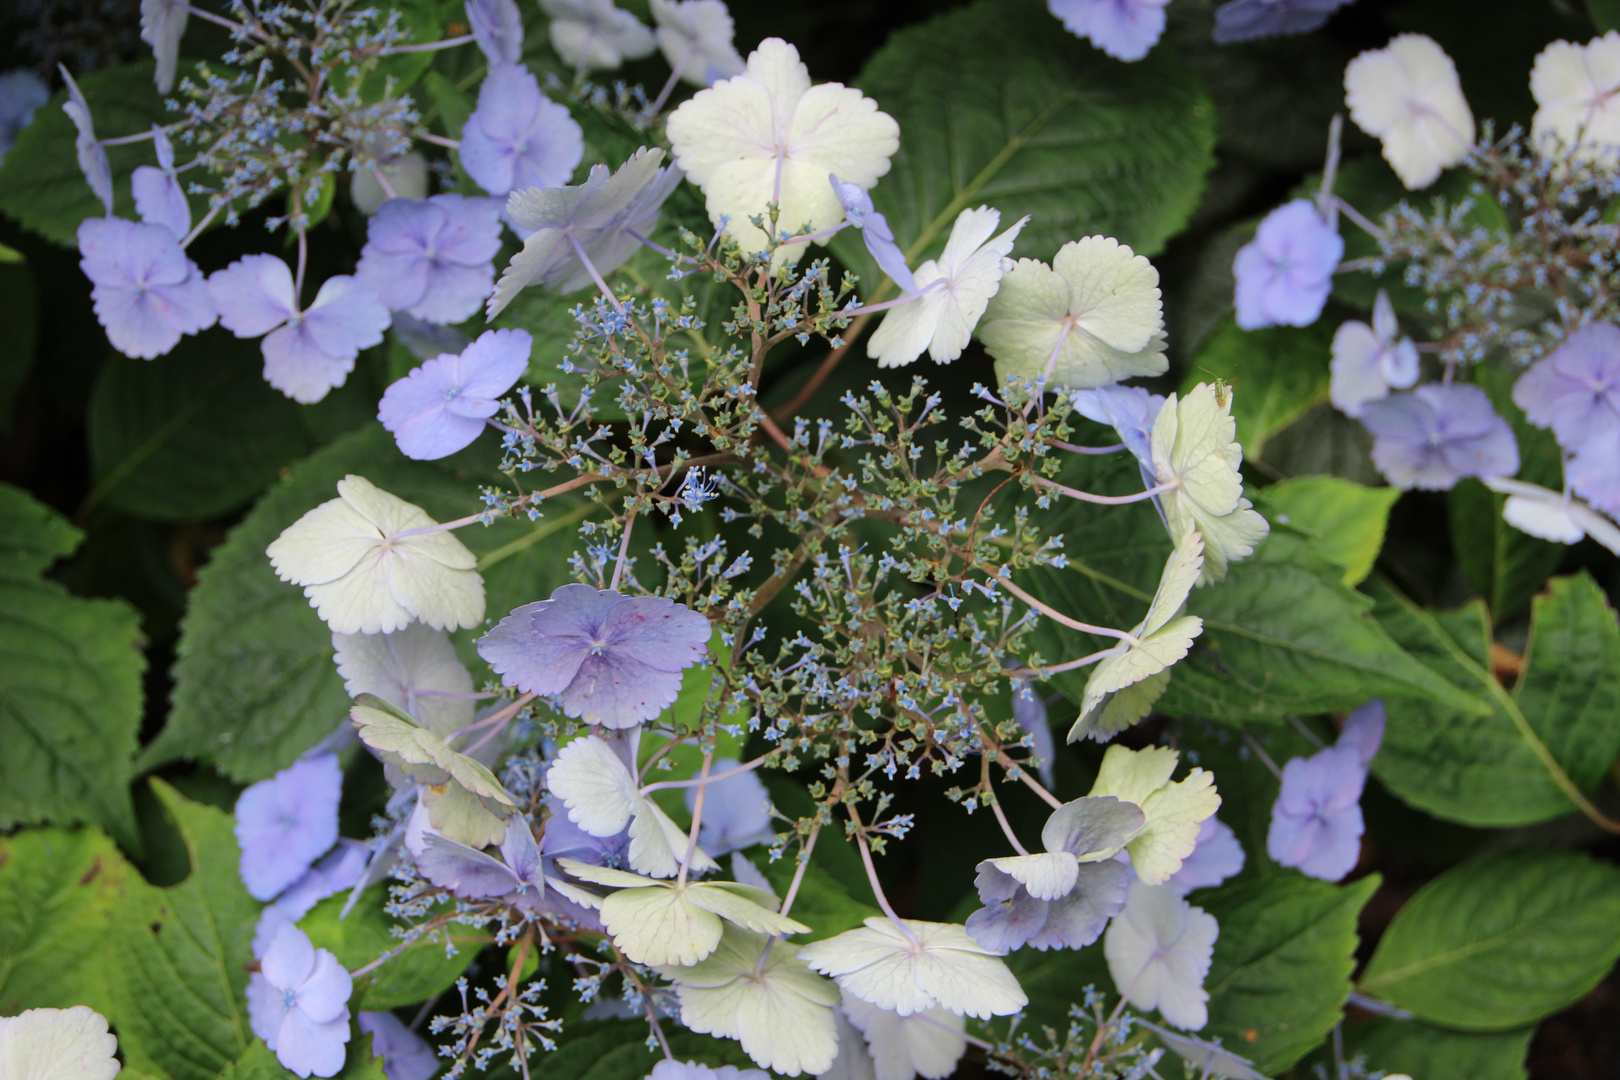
(517,137)
(289,960)
(1246,20)
(163,24)
(1217,857)
(346,317)
(285,823)
(1124,29)
(159,200)
(1077,919)
(324,994)
(616,691)
(254,295)
(406,1055)
(310,1049)
(498,27)
(736,810)
(1316,823)
(1364,730)
(1594,472)
(21,93)
(297,366)
(92,157)
(1431,437)
(147,294)
(1575,389)
(1284,275)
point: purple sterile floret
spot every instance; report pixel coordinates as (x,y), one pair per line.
(159,200)
(517,137)
(1575,389)
(1029,710)
(308,352)
(1217,857)
(1285,273)
(1437,434)
(147,294)
(1130,411)
(406,1055)
(570,231)
(1594,472)
(21,92)
(1316,823)
(298,1003)
(1124,29)
(610,659)
(1011,918)
(433,258)
(1246,20)
(875,231)
(1363,731)
(736,810)
(92,156)
(1369,360)
(473,875)
(670,1069)
(440,407)
(340,869)
(285,823)
(498,27)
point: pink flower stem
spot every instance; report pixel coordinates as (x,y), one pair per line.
(798,874)
(1104,500)
(1067,665)
(727,775)
(1058,616)
(624,551)
(697,818)
(877,888)
(590,268)
(431,46)
(439,140)
(1073,449)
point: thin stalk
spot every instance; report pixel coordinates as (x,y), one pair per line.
(697,819)
(431,46)
(590,268)
(439,140)
(989,796)
(872,879)
(1073,449)
(746,767)
(1103,500)
(624,551)
(1058,616)
(798,874)
(1260,752)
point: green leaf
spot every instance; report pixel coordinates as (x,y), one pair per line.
(1348,520)
(998,105)
(191,435)
(1406,1046)
(19,313)
(823,902)
(1284,635)
(32,535)
(1504,565)
(1502,941)
(40,182)
(420,971)
(178,965)
(70,685)
(255,685)
(1278,374)
(1520,758)
(617,1050)
(1281,971)
(1605,14)
(58,890)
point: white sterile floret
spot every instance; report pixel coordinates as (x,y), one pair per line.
(367,567)
(602,797)
(696,38)
(1577,89)
(1553,515)
(1158,951)
(596,34)
(928,1043)
(57,1044)
(1173,811)
(953,293)
(764,997)
(918,966)
(1194,448)
(415,669)
(1407,95)
(1163,637)
(770,136)
(673,922)
(1093,317)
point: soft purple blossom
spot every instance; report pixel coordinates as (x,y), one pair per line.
(146,292)
(1246,20)
(406,1055)
(876,232)
(308,352)
(1316,823)
(1124,29)
(517,137)
(1011,918)
(298,1003)
(159,198)
(1217,857)
(285,823)
(498,27)
(670,1069)
(340,869)
(736,810)
(440,407)
(610,659)
(597,225)
(433,258)
(1575,389)
(473,875)
(1369,360)
(1130,411)
(163,24)
(1431,437)
(92,156)
(1594,472)
(21,92)
(1285,273)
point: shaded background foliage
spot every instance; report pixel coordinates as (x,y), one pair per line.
(163,468)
